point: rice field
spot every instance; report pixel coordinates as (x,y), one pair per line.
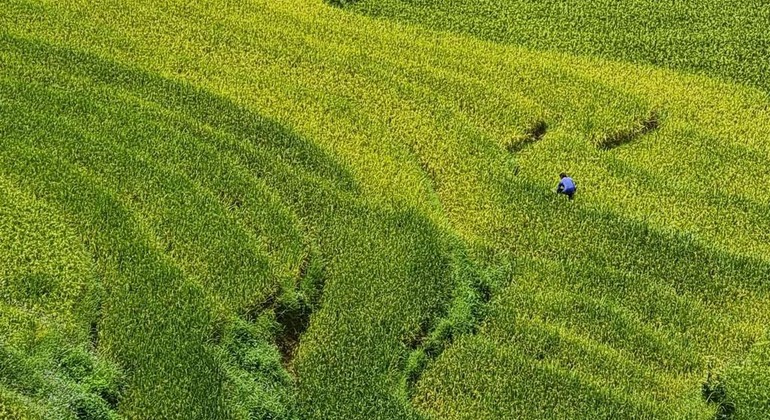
(288,209)
(711,37)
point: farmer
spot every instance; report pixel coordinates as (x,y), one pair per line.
(566,186)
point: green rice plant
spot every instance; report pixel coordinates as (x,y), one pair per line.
(745,384)
(709,37)
(49,367)
(270,210)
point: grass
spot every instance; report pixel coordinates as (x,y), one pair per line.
(212,176)
(705,37)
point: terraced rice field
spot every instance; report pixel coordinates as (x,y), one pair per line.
(288,209)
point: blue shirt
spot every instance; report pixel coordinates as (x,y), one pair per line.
(567,184)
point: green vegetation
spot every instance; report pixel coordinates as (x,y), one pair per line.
(715,37)
(270,210)
(48,296)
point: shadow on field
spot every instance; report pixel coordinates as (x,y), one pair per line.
(668,284)
(623,136)
(577,233)
(363,276)
(463,317)
(531,135)
(57,95)
(190,102)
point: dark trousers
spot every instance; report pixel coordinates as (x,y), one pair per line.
(569,193)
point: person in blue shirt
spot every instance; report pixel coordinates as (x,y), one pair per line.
(566,186)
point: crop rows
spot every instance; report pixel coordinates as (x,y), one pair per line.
(710,37)
(235,179)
